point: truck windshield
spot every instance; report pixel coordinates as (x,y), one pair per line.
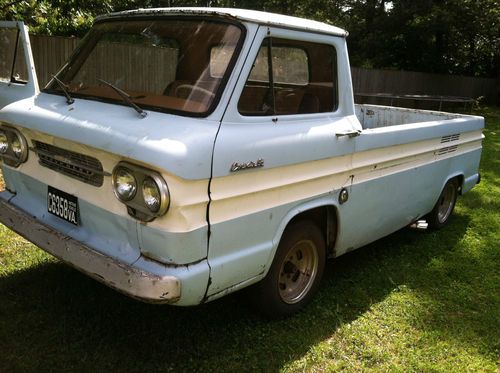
(171,65)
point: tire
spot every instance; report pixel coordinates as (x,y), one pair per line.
(444,206)
(295,273)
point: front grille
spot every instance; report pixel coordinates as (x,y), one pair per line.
(78,166)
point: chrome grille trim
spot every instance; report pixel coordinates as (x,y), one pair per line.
(78,166)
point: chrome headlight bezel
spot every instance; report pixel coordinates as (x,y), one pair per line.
(136,205)
(8,155)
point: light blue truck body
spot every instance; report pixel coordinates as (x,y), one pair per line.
(224,225)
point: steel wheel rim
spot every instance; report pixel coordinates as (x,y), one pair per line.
(446,202)
(298,271)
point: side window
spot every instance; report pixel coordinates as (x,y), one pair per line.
(291,77)
(290,65)
(12,63)
(260,69)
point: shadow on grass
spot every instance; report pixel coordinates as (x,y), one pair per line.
(55,318)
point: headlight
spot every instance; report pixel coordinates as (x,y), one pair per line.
(4,142)
(13,146)
(151,194)
(143,191)
(17,147)
(124,183)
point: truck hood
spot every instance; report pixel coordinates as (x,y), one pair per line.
(180,145)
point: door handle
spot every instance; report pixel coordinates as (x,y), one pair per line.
(349,133)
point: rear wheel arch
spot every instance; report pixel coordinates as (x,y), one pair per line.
(445,204)
(459,178)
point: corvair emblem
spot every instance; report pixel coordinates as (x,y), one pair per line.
(236,166)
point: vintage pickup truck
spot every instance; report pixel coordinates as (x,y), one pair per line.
(182,154)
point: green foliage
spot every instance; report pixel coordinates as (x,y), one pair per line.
(54,17)
(439,36)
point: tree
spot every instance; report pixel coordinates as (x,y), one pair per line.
(439,36)
(54,17)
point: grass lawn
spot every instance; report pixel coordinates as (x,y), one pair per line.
(413,301)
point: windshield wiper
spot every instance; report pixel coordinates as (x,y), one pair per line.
(64,88)
(126,97)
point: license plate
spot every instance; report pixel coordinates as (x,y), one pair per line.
(62,205)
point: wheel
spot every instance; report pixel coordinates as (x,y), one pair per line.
(444,206)
(295,273)
(185,90)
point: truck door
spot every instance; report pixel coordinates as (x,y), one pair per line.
(17,70)
(277,148)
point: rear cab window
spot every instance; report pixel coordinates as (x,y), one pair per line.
(291,77)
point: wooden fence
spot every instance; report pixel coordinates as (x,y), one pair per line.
(50,53)
(416,83)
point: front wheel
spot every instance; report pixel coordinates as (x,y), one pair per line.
(295,273)
(444,206)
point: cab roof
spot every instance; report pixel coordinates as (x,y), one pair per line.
(254,16)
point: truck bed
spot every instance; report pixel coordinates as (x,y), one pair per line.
(375,116)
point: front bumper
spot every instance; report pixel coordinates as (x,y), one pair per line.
(144,279)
